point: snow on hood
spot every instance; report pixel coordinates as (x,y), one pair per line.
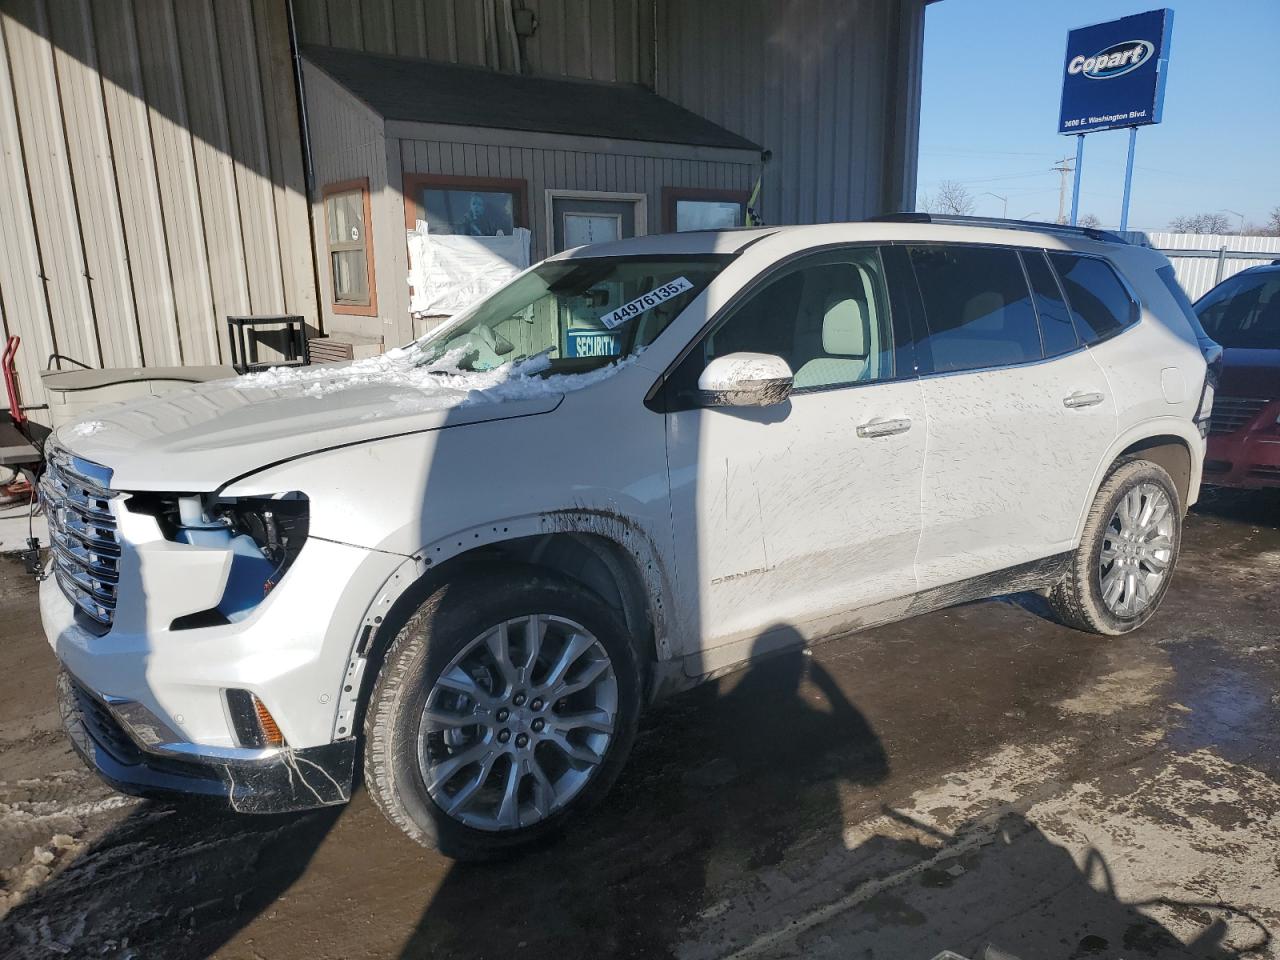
(198,438)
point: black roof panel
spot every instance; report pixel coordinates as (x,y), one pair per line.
(425,91)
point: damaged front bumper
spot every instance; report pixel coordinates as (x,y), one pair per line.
(276,780)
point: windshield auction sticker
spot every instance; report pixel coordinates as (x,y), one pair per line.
(646,301)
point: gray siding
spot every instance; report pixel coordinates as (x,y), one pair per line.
(632,168)
(150,179)
(830,87)
(348,143)
(596,39)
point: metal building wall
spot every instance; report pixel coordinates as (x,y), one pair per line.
(829,87)
(596,39)
(151,178)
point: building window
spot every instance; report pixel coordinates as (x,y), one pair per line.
(466,206)
(347,223)
(696,209)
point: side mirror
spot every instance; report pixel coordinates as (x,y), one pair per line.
(745,380)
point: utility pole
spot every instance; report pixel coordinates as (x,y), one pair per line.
(1063,167)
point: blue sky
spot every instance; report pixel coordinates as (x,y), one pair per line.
(989,116)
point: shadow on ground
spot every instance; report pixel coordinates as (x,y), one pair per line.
(754,791)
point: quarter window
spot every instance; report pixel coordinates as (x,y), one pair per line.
(346,216)
(1056,328)
(977,306)
(1100,304)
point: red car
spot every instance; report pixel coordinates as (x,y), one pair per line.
(1243,315)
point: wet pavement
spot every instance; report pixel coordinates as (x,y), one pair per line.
(980,780)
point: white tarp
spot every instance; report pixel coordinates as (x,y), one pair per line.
(449,272)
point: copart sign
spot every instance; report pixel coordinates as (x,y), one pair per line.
(1114,73)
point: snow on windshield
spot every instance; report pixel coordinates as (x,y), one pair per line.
(433,385)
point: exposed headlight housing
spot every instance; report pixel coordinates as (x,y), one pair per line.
(265,534)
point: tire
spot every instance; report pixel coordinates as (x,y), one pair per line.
(1080,599)
(460,619)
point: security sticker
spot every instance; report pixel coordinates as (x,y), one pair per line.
(592,343)
(646,301)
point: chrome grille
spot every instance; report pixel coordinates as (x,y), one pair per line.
(82,533)
(1232,413)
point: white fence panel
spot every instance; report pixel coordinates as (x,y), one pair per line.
(1203,260)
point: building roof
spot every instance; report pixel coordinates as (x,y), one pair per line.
(425,91)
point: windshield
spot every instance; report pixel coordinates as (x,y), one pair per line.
(1244,311)
(579,314)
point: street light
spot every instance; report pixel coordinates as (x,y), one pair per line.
(1005,200)
(1028,216)
(1238,214)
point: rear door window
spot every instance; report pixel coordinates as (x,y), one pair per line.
(1056,328)
(978,308)
(1100,305)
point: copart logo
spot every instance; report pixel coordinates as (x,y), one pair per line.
(1116,60)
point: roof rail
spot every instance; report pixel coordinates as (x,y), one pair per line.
(1002,224)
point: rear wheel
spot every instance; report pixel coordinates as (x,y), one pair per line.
(506,705)
(1122,568)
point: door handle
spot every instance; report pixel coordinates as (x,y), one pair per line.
(1079,399)
(884,428)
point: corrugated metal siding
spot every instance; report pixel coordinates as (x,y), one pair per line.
(1199,275)
(150,178)
(596,39)
(830,87)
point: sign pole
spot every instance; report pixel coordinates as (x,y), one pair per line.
(1075,189)
(1128,180)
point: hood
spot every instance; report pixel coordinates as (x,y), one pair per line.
(199,438)
(1250,373)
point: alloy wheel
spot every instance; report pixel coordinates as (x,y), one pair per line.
(1137,550)
(518,722)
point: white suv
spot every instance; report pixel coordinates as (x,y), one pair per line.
(636,466)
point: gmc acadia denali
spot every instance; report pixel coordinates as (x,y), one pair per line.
(474,559)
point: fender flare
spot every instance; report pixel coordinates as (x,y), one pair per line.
(1176,427)
(622,532)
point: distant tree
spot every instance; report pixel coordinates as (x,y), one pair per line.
(953,198)
(1273,222)
(1201,223)
(1089,220)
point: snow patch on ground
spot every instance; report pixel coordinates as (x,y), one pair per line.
(435,385)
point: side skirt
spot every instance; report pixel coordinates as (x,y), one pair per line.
(689,671)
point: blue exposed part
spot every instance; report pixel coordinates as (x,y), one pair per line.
(250,570)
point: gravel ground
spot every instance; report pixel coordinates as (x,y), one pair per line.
(980,780)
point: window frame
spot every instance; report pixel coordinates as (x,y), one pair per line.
(330,190)
(1023,254)
(672,195)
(659,397)
(415,183)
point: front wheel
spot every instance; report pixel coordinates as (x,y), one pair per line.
(1122,568)
(506,705)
